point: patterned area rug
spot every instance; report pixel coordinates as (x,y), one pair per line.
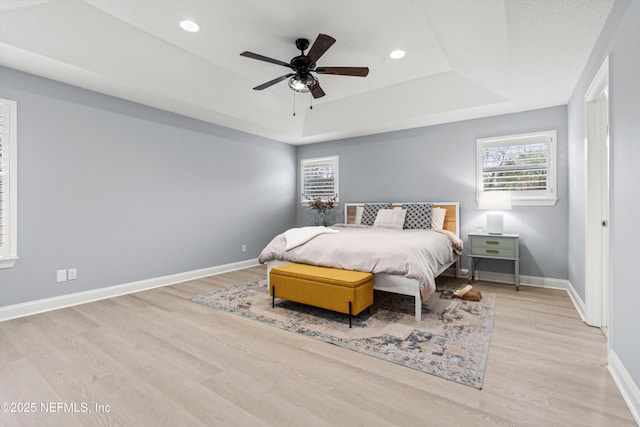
(451,341)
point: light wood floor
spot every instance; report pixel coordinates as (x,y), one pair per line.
(154,358)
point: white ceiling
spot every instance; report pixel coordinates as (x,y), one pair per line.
(465,58)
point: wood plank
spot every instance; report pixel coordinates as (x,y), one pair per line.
(159,359)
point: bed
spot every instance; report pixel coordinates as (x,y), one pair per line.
(347,246)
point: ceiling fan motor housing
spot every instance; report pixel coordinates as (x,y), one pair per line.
(302,64)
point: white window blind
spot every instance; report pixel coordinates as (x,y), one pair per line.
(8,175)
(319,178)
(523,165)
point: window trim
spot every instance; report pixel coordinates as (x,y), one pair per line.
(336,181)
(519,199)
(9,250)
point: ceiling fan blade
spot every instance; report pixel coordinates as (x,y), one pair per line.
(344,71)
(320,46)
(265,59)
(316,91)
(272,82)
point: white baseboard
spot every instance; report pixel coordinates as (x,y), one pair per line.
(539,282)
(620,375)
(628,388)
(578,303)
(54,303)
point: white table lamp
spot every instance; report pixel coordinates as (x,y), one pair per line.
(496,201)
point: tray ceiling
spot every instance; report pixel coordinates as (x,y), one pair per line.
(465,58)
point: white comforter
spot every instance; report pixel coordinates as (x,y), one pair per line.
(295,237)
(415,254)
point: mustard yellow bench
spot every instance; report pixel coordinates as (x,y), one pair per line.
(344,291)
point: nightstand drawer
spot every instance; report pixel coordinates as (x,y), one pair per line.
(493,246)
(488,252)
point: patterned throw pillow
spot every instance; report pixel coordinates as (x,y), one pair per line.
(370,212)
(418,215)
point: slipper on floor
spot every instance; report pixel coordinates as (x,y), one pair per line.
(472,295)
(461,292)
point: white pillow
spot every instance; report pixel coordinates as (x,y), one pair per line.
(437,218)
(359,210)
(390,218)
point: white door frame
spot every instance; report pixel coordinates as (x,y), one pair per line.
(597,197)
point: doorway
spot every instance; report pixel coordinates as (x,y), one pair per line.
(597,232)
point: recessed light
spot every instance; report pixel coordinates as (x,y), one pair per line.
(189,25)
(397,54)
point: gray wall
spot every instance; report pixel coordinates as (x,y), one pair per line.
(619,39)
(577,154)
(124,192)
(438,163)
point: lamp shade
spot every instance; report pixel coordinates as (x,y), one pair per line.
(495,200)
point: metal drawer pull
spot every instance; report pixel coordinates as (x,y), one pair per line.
(492,251)
(492,242)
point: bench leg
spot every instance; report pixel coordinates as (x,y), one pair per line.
(349,314)
(273,297)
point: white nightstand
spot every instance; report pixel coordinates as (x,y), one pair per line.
(494,246)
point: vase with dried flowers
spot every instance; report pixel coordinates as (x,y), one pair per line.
(320,207)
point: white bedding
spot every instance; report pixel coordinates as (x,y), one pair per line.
(415,254)
(295,237)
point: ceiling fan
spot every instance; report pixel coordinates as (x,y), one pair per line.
(301,80)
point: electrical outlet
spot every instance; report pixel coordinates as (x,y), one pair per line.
(72,273)
(244,248)
(61,276)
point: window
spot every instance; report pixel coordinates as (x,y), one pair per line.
(523,165)
(8,164)
(319,178)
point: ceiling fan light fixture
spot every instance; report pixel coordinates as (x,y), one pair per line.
(190,26)
(397,54)
(302,83)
